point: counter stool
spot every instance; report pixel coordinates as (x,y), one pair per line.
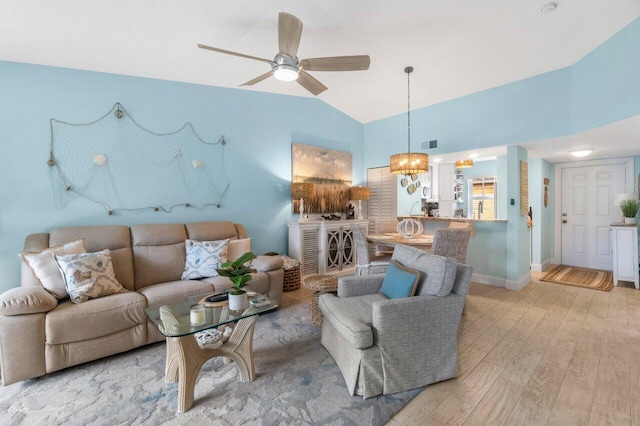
(320,284)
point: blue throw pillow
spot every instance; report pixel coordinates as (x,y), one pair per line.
(399,281)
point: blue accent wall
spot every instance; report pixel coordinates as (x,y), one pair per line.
(601,88)
(259,128)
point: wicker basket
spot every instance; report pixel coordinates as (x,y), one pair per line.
(291,279)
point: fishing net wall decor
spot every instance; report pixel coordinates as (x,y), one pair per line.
(122,166)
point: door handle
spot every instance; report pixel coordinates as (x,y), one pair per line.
(564,214)
(564,221)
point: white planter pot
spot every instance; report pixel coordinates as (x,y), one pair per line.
(238,302)
(629,220)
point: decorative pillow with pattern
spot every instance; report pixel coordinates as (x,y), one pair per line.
(44,267)
(89,275)
(203,257)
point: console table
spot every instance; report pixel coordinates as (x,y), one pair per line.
(324,246)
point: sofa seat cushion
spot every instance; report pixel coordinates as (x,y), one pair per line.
(351,317)
(174,291)
(70,322)
(259,283)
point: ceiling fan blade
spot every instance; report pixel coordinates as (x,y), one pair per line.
(228,52)
(310,83)
(289,33)
(337,63)
(258,79)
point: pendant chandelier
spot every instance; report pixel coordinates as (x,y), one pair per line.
(409,163)
(463,164)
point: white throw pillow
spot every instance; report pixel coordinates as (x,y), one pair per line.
(89,275)
(44,266)
(203,257)
(237,248)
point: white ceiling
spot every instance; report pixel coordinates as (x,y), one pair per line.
(457,47)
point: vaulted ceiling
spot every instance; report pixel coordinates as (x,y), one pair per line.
(457,47)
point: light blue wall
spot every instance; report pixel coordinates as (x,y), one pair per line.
(258,126)
(604,84)
(518,237)
(543,229)
(601,88)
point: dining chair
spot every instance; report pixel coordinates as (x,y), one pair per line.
(452,242)
(367,262)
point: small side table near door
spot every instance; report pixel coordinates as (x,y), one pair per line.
(624,241)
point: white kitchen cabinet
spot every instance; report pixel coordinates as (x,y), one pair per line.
(624,241)
(324,246)
(446,190)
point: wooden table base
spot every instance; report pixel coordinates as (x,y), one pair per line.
(185,358)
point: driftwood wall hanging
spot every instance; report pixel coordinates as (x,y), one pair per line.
(120,165)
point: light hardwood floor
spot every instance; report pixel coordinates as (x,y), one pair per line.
(548,354)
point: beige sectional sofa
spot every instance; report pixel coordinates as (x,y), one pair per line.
(40,334)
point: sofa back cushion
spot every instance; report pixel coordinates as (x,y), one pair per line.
(158,252)
(212,231)
(96,238)
(437,273)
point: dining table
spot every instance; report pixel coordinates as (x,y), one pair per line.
(423,241)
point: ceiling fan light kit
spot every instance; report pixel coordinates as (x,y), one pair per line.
(409,163)
(287,67)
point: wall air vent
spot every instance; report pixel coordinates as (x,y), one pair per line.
(429,144)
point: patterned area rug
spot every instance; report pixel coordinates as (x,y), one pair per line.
(297,382)
(580,277)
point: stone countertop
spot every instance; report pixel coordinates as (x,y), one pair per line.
(452,219)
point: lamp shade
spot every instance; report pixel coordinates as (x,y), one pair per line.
(303,190)
(359,193)
(463,164)
(618,198)
(409,163)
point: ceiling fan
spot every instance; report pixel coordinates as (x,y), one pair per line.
(287,67)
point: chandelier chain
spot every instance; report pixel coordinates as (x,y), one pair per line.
(408,71)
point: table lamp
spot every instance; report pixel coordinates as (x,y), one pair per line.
(359,193)
(302,191)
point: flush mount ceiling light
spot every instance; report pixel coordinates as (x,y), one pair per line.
(549,7)
(409,163)
(581,153)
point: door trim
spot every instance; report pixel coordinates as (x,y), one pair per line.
(628,182)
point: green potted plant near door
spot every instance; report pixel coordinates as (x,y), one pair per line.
(629,210)
(238,273)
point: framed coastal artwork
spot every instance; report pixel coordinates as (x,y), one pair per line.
(330,172)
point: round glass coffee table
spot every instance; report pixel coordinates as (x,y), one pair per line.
(320,284)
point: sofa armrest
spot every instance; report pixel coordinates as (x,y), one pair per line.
(359,285)
(26,300)
(267,263)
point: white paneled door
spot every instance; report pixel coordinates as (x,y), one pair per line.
(587,211)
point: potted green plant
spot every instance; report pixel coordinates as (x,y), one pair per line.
(238,272)
(629,210)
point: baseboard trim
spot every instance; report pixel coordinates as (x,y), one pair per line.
(518,285)
(488,280)
(536,267)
